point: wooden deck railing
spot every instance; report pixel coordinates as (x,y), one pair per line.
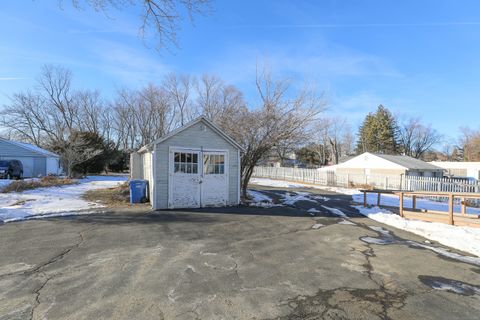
(450,217)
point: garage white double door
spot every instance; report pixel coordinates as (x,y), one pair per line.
(197,178)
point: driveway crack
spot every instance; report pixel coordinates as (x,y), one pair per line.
(51,261)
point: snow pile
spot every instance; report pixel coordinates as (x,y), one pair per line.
(461,238)
(54,201)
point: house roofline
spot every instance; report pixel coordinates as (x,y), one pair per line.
(44,153)
(215,128)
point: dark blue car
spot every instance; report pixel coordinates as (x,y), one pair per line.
(11,169)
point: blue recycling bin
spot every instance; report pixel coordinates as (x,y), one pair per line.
(138,191)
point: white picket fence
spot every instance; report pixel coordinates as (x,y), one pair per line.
(390,182)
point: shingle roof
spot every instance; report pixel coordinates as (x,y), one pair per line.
(408,162)
(32,148)
(188,125)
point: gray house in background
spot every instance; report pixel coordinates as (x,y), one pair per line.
(36,161)
(194,166)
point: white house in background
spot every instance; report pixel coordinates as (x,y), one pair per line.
(383,164)
(460,169)
(36,161)
(194,166)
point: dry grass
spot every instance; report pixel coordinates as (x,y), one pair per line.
(362,186)
(112,197)
(49,181)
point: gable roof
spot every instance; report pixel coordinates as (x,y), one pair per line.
(408,162)
(188,125)
(32,148)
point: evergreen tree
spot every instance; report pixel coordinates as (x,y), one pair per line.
(378,133)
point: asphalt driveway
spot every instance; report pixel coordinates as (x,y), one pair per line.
(234,263)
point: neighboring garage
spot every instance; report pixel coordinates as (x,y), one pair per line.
(384,164)
(36,161)
(194,166)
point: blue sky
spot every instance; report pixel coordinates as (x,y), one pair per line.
(418,58)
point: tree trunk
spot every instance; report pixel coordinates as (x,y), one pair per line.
(245,180)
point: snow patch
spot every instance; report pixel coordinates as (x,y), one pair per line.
(291,198)
(347,222)
(462,238)
(54,201)
(317,226)
(336,211)
(260,200)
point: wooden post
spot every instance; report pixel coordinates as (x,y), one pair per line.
(450,209)
(401,204)
(365,199)
(414,202)
(379,199)
(464,206)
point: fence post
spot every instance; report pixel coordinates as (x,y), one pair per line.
(464,205)
(401,204)
(386,183)
(450,209)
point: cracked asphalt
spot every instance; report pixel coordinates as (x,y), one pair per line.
(229,263)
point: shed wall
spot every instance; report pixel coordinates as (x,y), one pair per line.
(136,171)
(201,136)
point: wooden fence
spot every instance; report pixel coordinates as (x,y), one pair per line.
(386,182)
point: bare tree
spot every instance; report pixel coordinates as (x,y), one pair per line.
(75,151)
(335,137)
(160,18)
(416,139)
(179,90)
(141,116)
(282,116)
(47,115)
(470,144)
(209,90)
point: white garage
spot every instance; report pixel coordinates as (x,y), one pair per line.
(194,166)
(36,161)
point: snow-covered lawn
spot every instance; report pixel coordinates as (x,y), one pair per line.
(54,201)
(462,238)
(4,183)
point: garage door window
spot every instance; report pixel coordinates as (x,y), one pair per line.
(214,164)
(185,162)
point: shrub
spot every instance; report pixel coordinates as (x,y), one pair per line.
(113,197)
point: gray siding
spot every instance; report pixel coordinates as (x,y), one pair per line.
(194,137)
(136,171)
(39,167)
(11,150)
